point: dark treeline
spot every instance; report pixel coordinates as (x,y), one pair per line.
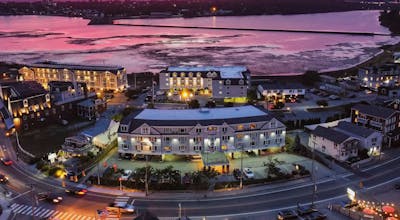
(391,20)
(175,7)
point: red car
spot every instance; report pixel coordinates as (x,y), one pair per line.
(6,161)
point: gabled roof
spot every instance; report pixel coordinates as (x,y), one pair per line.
(222,72)
(330,134)
(26,89)
(374,110)
(355,129)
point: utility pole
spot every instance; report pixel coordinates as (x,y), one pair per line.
(146,177)
(34,200)
(313,175)
(180,211)
(98,173)
(241,167)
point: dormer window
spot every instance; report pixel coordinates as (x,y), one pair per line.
(182,74)
(241,82)
(25,102)
(47,96)
(124,128)
(228,82)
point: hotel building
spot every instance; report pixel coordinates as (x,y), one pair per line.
(96,77)
(199,131)
(224,82)
(384,75)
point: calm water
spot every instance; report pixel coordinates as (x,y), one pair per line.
(28,39)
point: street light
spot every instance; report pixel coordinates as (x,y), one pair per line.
(241,167)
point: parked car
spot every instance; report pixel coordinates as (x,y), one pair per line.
(126,174)
(287,214)
(3,178)
(237,174)
(6,161)
(305,210)
(248,173)
(317,215)
(76,191)
(50,197)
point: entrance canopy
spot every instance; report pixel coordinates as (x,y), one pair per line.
(214,158)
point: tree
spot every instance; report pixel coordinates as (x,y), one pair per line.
(272,166)
(194,103)
(210,104)
(128,110)
(251,95)
(310,77)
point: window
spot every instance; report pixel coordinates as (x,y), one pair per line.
(182,148)
(197,140)
(138,147)
(253,126)
(25,101)
(239,127)
(145,131)
(167,148)
(239,136)
(125,147)
(197,148)
(212,128)
(182,140)
(167,139)
(183,130)
(253,143)
(124,128)
(225,138)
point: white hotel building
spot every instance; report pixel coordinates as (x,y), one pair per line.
(223,82)
(197,131)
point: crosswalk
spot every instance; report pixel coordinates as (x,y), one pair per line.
(47,213)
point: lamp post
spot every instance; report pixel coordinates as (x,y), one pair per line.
(241,166)
(146,178)
(180,210)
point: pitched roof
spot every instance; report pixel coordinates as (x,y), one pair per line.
(374,110)
(355,129)
(223,72)
(330,134)
(26,89)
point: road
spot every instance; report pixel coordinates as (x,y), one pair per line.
(256,202)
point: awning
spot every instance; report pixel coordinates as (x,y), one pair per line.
(214,158)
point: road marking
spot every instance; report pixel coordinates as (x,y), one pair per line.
(45,213)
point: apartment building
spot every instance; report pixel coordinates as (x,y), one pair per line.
(384,120)
(384,75)
(222,82)
(96,77)
(198,131)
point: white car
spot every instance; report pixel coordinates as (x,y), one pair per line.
(248,173)
(126,174)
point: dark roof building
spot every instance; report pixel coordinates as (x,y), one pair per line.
(376,111)
(354,129)
(330,134)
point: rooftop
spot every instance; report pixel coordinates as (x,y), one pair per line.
(55,65)
(330,134)
(354,129)
(283,85)
(374,110)
(26,88)
(201,114)
(226,72)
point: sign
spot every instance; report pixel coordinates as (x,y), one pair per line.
(351,194)
(52,157)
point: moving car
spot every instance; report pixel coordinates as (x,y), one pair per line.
(287,214)
(3,178)
(50,197)
(121,207)
(76,191)
(6,161)
(248,173)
